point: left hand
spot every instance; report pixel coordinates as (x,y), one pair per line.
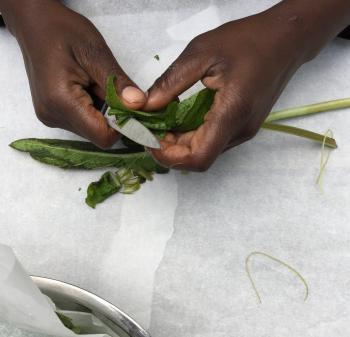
(248,62)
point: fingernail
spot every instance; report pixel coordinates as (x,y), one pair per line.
(133,95)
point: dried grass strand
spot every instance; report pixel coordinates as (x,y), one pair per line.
(249,274)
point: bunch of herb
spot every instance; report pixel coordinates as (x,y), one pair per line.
(189,114)
(134,164)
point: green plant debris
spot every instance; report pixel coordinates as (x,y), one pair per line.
(293,270)
(68,323)
(156,57)
(324,159)
(126,181)
(327,140)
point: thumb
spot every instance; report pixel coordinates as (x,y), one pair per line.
(187,70)
(98,62)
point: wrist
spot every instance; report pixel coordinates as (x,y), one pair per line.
(313,23)
(17,12)
(10,11)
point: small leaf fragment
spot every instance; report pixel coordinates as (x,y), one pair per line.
(125,180)
(99,191)
(68,323)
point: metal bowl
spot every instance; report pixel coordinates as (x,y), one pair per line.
(69,297)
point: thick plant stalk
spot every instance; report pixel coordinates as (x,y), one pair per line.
(309,109)
(327,141)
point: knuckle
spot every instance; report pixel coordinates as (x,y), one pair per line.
(250,131)
(165,81)
(44,116)
(93,53)
(198,42)
(48,105)
(200,164)
(91,49)
(50,101)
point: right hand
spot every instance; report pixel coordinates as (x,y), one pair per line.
(66,58)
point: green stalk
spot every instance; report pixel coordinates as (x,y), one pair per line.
(327,141)
(308,109)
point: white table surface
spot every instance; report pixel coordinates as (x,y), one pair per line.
(172,255)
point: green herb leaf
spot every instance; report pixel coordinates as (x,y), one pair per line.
(157,57)
(191,111)
(180,116)
(132,145)
(83,155)
(68,323)
(99,191)
(112,98)
(126,181)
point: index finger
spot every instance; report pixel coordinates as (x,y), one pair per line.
(184,72)
(85,120)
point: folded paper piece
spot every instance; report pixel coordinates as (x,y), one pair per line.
(23,305)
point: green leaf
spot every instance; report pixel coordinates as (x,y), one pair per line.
(126,181)
(68,323)
(132,145)
(112,98)
(191,111)
(99,191)
(180,116)
(83,155)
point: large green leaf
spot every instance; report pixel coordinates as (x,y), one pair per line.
(83,155)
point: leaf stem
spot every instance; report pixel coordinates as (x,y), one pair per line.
(328,141)
(324,159)
(293,270)
(309,109)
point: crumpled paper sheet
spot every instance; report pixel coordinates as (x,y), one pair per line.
(23,305)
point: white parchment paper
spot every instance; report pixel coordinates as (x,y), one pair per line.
(260,196)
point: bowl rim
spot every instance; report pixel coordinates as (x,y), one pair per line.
(91,301)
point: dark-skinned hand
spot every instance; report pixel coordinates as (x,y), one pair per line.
(66,58)
(248,62)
